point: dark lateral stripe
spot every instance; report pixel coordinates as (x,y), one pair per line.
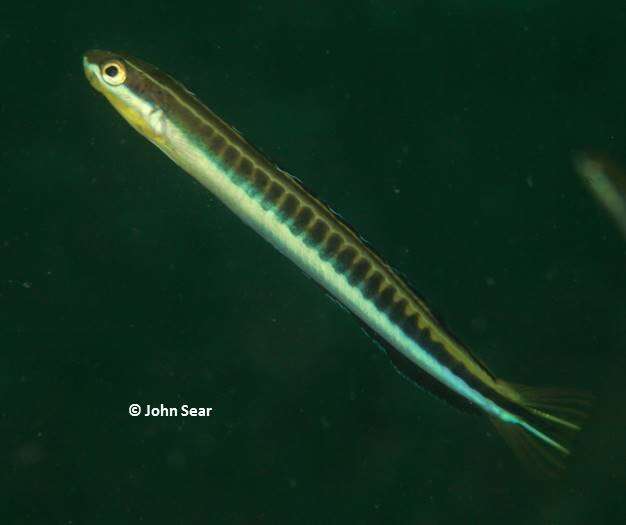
(302,220)
(289,206)
(317,233)
(345,259)
(457,367)
(359,271)
(423,337)
(410,326)
(372,285)
(331,246)
(437,350)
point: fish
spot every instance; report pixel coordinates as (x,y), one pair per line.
(538,423)
(606,182)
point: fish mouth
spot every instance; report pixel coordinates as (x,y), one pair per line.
(91,70)
(92,60)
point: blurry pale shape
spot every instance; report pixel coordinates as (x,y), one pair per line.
(607,183)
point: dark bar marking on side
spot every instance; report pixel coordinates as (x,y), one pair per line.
(359,271)
(289,206)
(372,285)
(302,220)
(245,169)
(273,193)
(206,131)
(410,326)
(398,311)
(345,259)
(230,156)
(260,180)
(332,245)
(385,298)
(317,233)
(217,143)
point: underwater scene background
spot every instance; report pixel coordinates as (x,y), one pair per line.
(442,131)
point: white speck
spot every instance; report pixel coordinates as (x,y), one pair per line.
(396,190)
(490,281)
(530,181)
(26,284)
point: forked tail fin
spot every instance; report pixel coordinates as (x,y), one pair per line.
(549,420)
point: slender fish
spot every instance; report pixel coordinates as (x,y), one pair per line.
(537,422)
(607,183)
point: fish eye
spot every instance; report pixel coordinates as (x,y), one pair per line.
(114,73)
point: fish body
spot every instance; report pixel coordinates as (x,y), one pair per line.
(607,183)
(310,234)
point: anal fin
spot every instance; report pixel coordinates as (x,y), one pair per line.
(421,378)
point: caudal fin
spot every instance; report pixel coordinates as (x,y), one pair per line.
(548,423)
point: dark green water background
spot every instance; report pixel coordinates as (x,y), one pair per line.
(443,131)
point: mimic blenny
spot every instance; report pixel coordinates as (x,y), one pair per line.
(536,422)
